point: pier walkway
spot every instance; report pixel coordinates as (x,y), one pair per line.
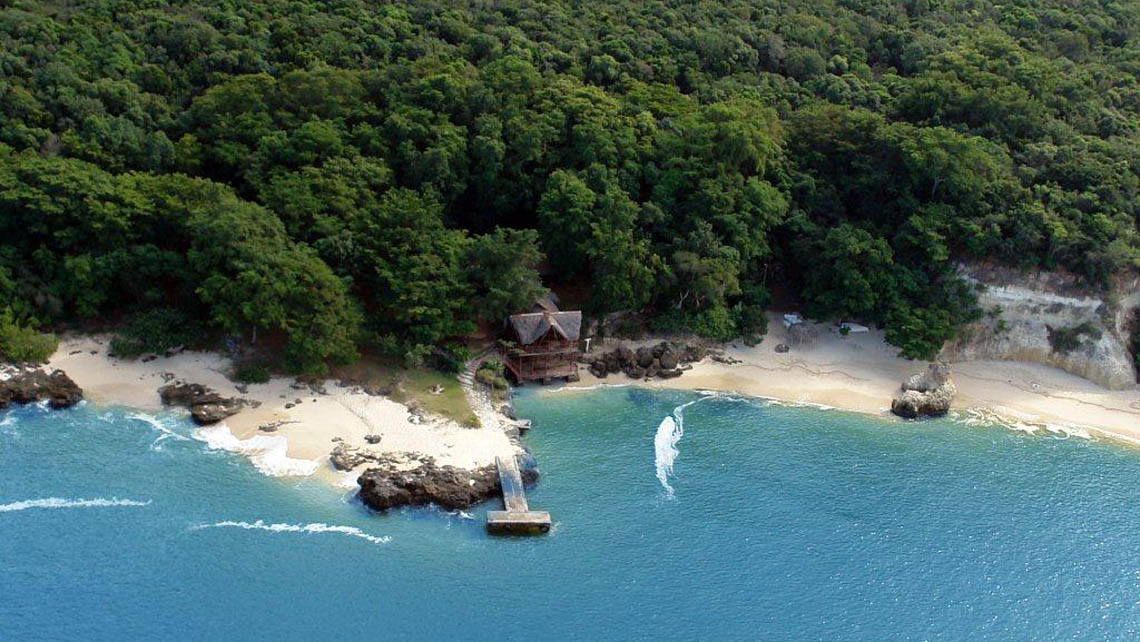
(516,517)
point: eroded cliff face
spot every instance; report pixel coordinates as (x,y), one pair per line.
(1046,317)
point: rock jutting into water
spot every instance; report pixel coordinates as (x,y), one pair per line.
(927,394)
(661,361)
(449,487)
(206,406)
(36,385)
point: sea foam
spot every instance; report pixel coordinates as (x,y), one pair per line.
(59,502)
(665,441)
(990,417)
(260,525)
(156,423)
(268,453)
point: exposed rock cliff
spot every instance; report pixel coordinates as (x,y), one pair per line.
(1046,317)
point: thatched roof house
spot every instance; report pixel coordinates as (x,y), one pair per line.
(529,328)
(546,345)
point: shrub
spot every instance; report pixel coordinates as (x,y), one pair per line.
(450,358)
(1065,340)
(156,331)
(490,374)
(717,323)
(251,372)
(491,379)
(21,342)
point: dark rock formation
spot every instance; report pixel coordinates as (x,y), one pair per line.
(36,385)
(660,361)
(447,486)
(346,457)
(206,406)
(927,394)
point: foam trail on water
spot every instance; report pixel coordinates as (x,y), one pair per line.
(260,525)
(154,422)
(669,434)
(59,502)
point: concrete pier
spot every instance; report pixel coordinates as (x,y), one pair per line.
(516,518)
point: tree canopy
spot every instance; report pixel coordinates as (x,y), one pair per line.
(357,173)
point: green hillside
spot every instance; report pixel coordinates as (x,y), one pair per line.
(338,175)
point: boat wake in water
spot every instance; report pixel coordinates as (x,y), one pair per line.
(260,525)
(59,502)
(669,434)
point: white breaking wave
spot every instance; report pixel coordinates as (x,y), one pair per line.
(989,417)
(154,422)
(59,502)
(669,434)
(268,453)
(596,386)
(260,525)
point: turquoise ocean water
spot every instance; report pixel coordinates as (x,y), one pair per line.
(772,523)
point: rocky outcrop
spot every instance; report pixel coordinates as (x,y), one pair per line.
(346,457)
(927,394)
(1025,313)
(31,386)
(663,361)
(388,486)
(205,405)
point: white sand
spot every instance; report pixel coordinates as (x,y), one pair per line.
(861,372)
(858,372)
(301,446)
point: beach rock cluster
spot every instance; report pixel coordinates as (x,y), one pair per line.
(345,457)
(927,394)
(451,488)
(662,361)
(36,385)
(206,406)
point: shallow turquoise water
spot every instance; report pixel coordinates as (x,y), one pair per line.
(784,524)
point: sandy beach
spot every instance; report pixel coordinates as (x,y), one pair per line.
(859,372)
(862,373)
(305,436)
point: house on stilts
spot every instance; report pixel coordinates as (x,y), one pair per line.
(545,345)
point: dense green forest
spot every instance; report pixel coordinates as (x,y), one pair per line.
(342,174)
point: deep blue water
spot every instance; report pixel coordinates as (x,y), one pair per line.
(784,524)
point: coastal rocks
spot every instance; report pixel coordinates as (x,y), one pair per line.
(720,357)
(36,385)
(452,488)
(205,405)
(927,394)
(346,457)
(647,362)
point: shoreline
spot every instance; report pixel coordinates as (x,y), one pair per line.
(318,419)
(862,373)
(858,373)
